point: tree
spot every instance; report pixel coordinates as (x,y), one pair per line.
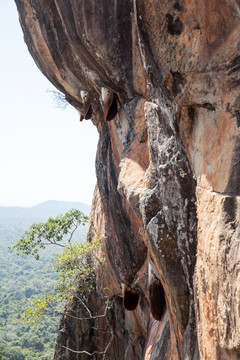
(75,260)
(76,266)
(52,232)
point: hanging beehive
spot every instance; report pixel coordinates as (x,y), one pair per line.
(87,107)
(156,293)
(130,298)
(110,105)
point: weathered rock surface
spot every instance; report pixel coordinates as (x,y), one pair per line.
(168,173)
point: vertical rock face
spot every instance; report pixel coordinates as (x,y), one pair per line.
(168,176)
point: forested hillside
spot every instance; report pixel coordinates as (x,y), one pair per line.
(21,278)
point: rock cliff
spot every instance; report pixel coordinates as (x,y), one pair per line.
(161,82)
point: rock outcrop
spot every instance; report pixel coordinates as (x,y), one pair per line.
(168,172)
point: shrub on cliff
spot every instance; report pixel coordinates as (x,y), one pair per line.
(76,264)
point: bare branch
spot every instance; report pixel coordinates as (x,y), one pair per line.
(53,243)
(81,351)
(72,233)
(85,306)
(95,352)
(104,352)
(91,317)
(59,99)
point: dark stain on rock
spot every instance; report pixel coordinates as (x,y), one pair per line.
(197,27)
(209,107)
(126,252)
(238,118)
(233,186)
(110,20)
(235,63)
(204,285)
(177,6)
(178,81)
(175,26)
(229,329)
(191,113)
(229,209)
(228,108)
(151,207)
(236,104)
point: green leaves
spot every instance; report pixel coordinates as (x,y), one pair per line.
(39,308)
(77,268)
(76,265)
(52,232)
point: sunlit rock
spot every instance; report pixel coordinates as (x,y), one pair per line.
(168,170)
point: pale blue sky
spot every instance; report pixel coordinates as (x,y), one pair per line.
(45,153)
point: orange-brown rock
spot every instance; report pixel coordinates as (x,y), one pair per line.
(168,173)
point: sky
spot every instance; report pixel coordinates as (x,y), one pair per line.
(45,152)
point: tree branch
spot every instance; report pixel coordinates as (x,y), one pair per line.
(53,243)
(91,317)
(72,232)
(104,352)
(93,353)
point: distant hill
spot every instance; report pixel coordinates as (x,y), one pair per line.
(43,210)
